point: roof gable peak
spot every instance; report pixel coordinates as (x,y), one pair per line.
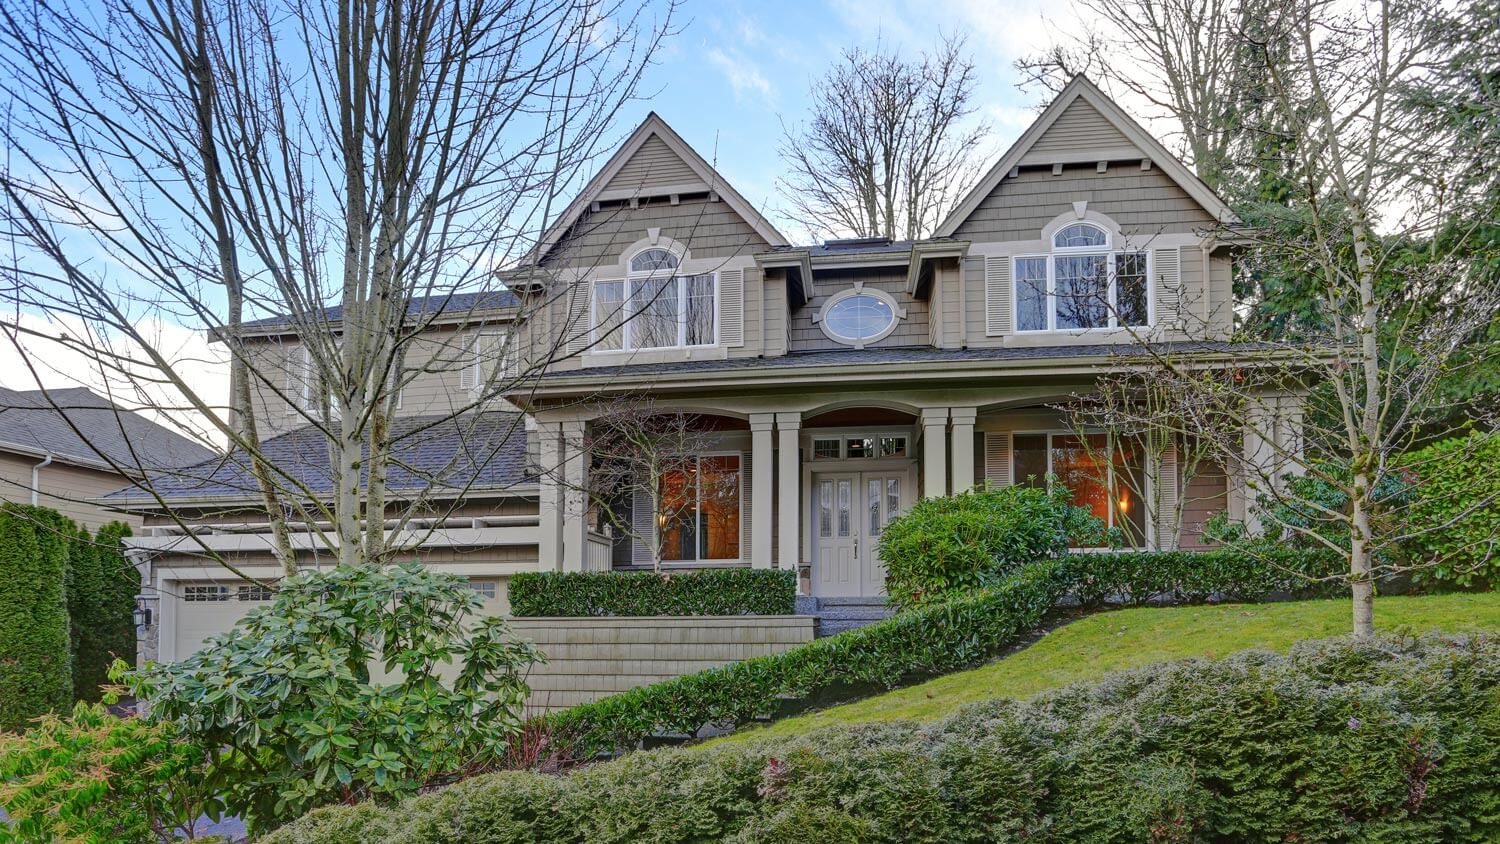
(1082,88)
(707,178)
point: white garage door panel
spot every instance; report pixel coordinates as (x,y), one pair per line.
(196,621)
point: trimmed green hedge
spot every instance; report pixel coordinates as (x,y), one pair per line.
(736,591)
(1242,574)
(36,672)
(1393,741)
(101,604)
(929,640)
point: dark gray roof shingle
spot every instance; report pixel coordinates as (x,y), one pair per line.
(452,303)
(883,356)
(100,432)
(483,451)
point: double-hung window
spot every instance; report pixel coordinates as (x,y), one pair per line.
(1083,283)
(654,307)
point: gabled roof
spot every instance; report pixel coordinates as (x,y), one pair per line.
(95,433)
(435,306)
(434,455)
(710,180)
(1082,89)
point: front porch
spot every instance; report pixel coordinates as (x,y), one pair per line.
(811,489)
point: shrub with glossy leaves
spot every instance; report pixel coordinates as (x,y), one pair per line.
(353,683)
(944,547)
(1454,515)
(1391,741)
(93,776)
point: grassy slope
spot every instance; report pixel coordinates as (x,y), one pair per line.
(1113,641)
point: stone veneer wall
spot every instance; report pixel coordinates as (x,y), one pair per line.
(590,658)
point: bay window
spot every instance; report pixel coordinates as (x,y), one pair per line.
(654,307)
(1081,284)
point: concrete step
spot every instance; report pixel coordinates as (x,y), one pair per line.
(865,601)
(852,613)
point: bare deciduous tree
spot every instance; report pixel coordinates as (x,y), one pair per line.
(890,146)
(215,162)
(643,453)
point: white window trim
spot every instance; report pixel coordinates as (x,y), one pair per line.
(679,276)
(305,405)
(656,517)
(475,354)
(898,313)
(1111,254)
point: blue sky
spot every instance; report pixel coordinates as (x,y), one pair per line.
(740,67)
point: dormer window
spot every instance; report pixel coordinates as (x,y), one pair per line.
(653,307)
(1083,284)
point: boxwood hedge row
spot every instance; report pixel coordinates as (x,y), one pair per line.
(1392,741)
(735,591)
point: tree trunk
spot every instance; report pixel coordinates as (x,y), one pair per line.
(1362,582)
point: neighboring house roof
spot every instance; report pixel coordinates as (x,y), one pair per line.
(95,433)
(887,356)
(709,179)
(426,306)
(431,454)
(1082,89)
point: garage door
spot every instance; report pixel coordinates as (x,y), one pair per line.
(207,609)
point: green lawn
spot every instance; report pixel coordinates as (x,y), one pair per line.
(1112,641)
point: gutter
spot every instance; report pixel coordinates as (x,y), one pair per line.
(36,473)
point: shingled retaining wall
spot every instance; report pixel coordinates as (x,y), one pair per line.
(590,658)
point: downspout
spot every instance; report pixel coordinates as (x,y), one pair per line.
(36,473)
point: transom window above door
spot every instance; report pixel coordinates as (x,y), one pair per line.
(654,307)
(1083,283)
(858,447)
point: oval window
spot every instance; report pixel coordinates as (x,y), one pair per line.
(859,318)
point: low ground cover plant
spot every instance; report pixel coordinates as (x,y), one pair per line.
(1391,741)
(737,591)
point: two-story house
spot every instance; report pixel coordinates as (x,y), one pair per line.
(841,381)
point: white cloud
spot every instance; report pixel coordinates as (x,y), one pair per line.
(743,75)
(56,352)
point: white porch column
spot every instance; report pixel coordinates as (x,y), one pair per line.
(762,489)
(788,489)
(934,452)
(575,471)
(550,500)
(963,447)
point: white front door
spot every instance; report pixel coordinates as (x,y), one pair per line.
(849,511)
(836,535)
